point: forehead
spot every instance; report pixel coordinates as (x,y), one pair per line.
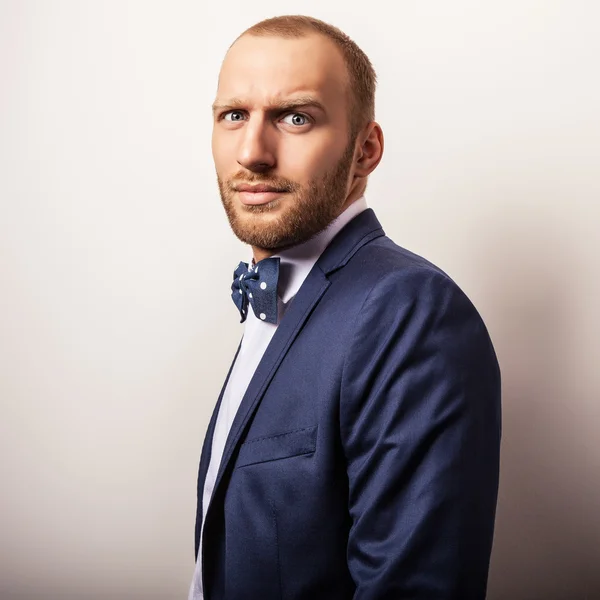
(268,68)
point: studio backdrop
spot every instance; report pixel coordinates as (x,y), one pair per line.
(111,228)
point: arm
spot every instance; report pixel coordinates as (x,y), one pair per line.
(420,423)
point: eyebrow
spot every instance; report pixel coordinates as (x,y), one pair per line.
(283,105)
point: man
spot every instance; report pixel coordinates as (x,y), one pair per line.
(354,450)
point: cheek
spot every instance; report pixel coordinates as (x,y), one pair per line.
(310,159)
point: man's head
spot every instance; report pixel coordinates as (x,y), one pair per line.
(294,138)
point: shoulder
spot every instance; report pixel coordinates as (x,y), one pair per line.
(383,272)
(396,290)
(411,312)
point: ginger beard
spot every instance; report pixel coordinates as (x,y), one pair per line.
(305,210)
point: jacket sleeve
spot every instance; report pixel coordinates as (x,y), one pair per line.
(420,427)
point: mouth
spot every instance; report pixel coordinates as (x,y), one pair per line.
(253,195)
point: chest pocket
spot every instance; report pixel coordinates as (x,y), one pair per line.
(277,447)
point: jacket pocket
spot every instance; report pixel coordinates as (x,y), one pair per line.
(276,447)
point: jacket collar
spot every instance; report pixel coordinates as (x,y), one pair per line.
(361,230)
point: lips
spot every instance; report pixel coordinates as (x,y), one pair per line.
(253,195)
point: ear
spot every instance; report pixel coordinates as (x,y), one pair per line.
(369,149)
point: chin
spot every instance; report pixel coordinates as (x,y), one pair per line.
(261,230)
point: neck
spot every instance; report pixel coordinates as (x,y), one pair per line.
(261,253)
(357,190)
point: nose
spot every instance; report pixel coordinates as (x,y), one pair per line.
(256,151)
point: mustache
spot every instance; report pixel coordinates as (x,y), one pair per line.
(242,178)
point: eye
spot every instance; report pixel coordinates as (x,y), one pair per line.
(296,119)
(233,116)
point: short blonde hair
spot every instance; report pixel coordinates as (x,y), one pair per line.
(361,74)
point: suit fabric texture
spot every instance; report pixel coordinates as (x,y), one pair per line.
(363,461)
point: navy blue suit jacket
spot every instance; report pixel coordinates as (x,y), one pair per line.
(363,461)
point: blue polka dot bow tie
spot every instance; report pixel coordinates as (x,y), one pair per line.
(257,286)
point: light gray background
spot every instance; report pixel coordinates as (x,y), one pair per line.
(111,356)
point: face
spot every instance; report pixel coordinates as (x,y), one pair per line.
(281,141)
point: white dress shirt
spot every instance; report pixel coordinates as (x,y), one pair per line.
(295,265)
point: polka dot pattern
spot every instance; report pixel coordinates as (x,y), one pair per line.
(260,293)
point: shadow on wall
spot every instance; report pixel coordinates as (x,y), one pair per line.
(547,541)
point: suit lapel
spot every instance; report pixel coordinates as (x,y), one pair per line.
(307,297)
(362,229)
